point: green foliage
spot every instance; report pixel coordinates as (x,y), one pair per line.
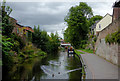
(20,43)
(78,24)
(95,38)
(7,25)
(95,18)
(11,44)
(113,38)
(29,36)
(87,50)
(7,57)
(36,37)
(83,44)
(78,52)
(14,50)
(42,53)
(6,45)
(45,42)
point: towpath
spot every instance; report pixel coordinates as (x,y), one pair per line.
(99,68)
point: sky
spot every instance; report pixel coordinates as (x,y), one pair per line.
(50,15)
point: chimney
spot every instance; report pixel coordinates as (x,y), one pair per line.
(116,10)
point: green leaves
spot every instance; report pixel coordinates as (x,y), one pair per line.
(78,24)
(113,37)
(7,25)
(6,45)
(45,42)
(94,19)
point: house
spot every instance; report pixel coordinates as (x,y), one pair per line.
(110,51)
(93,27)
(103,23)
(25,32)
(116,10)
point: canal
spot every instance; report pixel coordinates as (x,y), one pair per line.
(54,66)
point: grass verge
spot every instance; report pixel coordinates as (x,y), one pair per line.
(87,50)
(78,52)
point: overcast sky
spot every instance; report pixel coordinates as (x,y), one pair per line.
(50,15)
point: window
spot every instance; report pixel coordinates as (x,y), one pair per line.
(17,30)
(100,40)
(99,26)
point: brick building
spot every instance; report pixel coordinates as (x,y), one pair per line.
(106,50)
(25,32)
(116,10)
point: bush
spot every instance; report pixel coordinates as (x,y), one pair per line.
(95,38)
(91,36)
(41,53)
(19,39)
(7,57)
(83,44)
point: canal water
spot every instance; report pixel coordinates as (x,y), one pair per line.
(55,66)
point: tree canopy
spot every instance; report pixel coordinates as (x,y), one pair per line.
(95,18)
(78,24)
(45,42)
(7,26)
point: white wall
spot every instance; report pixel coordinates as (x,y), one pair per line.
(103,23)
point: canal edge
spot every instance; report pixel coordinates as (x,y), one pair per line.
(83,68)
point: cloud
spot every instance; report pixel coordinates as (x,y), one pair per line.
(101,8)
(39,13)
(50,15)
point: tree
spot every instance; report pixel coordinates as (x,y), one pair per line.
(45,42)
(53,43)
(95,18)
(36,37)
(78,24)
(7,25)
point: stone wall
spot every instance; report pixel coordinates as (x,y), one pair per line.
(109,52)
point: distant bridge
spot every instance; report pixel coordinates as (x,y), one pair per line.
(65,44)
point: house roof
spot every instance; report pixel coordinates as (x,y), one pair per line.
(94,25)
(12,18)
(117,4)
(104,17)
(19,25)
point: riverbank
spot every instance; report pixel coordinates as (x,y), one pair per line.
(23,63)
(29,51)
(23,57)
(24,71)
(35,69)
(78,54)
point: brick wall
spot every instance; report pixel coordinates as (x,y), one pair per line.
(109,52)
(113,27)
(116,13)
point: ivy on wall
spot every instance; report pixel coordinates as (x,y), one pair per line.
(113,38)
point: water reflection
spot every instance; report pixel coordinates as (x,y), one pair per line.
(62,68)
(55,66)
